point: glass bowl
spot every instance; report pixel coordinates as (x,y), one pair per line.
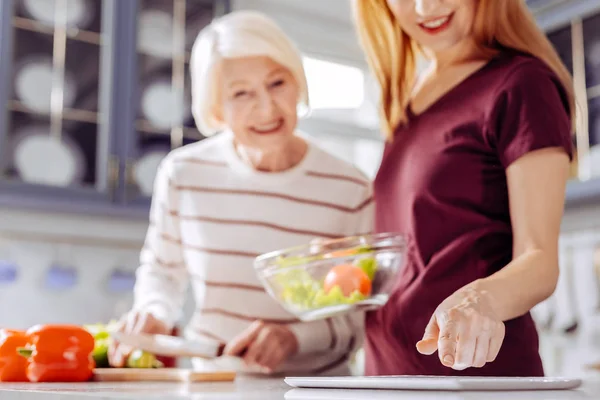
(330,277)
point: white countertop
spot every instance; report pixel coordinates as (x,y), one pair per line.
(267,389)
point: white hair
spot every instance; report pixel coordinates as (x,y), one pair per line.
(238,34)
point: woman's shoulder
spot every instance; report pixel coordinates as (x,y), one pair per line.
(208,151)
(529,109)
(325,164)
(517,70)
(193,158)
(516,80)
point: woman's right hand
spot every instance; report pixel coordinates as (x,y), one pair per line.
(134,322)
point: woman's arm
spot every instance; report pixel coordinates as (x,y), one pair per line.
(529,130)
(536,185)
(162,277)
(467,329)
(341,334)
(161,280)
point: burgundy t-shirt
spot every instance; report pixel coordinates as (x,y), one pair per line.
(442,183)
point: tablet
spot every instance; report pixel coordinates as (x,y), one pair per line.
(443,383)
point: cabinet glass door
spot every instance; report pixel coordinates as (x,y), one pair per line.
(166,32)
(561,39)
(591,41)
(591,37)
(54,139)
(563,43)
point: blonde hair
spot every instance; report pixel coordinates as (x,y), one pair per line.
(391,54)
(238,34)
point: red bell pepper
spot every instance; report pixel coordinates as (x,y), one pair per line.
(59,353)
(12,366)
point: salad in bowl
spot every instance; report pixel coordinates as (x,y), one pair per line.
(330,277)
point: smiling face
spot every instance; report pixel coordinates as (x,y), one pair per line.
(436,25)
(258,102)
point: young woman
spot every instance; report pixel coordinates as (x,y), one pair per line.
(474,175)
(255,187)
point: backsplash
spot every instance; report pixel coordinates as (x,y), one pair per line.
(82,272)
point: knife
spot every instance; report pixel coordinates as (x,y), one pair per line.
(172,346)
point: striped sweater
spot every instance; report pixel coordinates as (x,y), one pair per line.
(212,214)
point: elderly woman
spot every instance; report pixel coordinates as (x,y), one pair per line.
(254,187)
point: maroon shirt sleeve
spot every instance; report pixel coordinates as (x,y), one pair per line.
(531,113)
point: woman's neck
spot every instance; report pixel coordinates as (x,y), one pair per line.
(274,160)
(463,52)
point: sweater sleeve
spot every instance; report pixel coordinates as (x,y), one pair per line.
(531,112)
(341,334)
(162,278)
(365,223)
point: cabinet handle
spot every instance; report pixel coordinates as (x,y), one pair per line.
(129,173)
(113,176)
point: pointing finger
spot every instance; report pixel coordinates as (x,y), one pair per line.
(429,344)
(447,342)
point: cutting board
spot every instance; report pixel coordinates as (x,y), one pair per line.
(160,375)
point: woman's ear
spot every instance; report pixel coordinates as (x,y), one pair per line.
(217,113)
(303,110)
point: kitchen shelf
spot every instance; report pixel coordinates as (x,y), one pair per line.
(69,114)
(147,127)
(24,236)
(72,33)
(163,58)
(174,57)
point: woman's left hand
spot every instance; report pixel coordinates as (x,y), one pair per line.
(263,344)
(465,330)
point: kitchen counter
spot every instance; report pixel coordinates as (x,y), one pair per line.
(257,388)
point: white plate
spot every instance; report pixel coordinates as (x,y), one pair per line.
(43,159)
(443,383)
(33,85)
(155,35)
(145,168)
(161,106)
(79,14)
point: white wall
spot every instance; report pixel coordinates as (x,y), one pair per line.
(319,27)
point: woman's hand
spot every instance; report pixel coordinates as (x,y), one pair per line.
(465,330)
(134,322)
(265,345)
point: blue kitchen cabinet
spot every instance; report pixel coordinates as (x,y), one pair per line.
(561,39)
(591,34)
(92,98)
(166,32)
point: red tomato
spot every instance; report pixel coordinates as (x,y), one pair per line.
(349,278)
